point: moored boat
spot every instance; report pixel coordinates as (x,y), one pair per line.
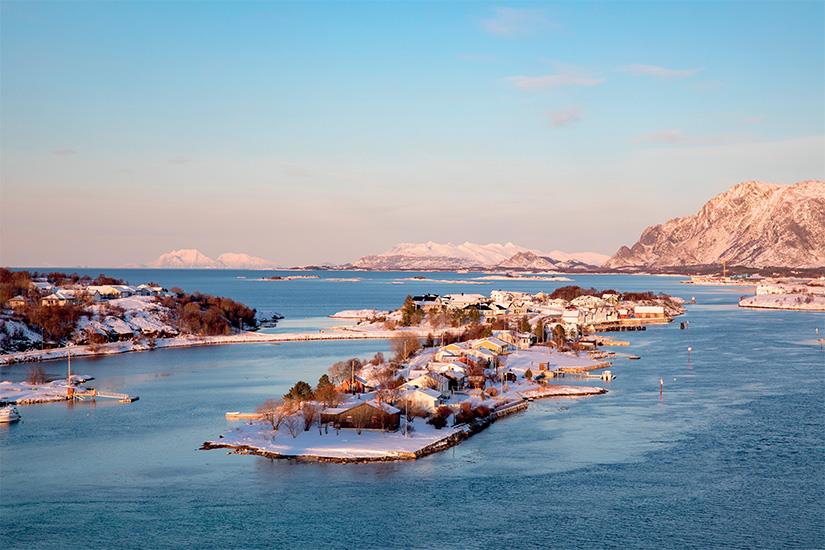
(9,414)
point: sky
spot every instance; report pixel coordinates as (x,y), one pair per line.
(320,132)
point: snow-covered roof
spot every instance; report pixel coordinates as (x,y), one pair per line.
(426,391)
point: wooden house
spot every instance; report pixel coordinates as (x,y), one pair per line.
(364,415)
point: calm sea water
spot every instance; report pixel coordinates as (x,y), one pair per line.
(733,456)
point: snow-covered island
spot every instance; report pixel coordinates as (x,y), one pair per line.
(383,411)
(512,348)
(788,293)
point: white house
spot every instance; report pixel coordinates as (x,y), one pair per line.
(649,312)
(425,398)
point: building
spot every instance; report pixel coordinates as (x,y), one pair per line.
(59,298)
(364,415)
(17,302)
(649,312)
(493,344)
(423,398)
(431,380)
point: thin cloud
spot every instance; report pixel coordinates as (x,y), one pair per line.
(564,117)
(514,22)
(64,152)
(553,81)
(657,71)
(663,137)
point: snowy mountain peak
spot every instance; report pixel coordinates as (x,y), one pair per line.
(753,224)
(184,258)
(191,258)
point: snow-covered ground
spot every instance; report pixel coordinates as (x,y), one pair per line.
(24,393)
(806,302)
(359,314)
(336,333)
(346,444)
(522,360)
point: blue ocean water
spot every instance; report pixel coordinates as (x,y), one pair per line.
(732,456)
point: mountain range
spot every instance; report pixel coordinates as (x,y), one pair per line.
(191,258)
(753,224)
(448,256)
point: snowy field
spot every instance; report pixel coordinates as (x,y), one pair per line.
(346,443)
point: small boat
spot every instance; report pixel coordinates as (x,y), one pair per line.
(633,357)
(8,415)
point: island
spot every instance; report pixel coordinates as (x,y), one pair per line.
(502,352)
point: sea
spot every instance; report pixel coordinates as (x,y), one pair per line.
(731,454)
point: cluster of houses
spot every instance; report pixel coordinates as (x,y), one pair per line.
(143,318)
(52,295)
(444,374)
(574,316)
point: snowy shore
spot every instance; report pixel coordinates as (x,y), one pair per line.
(337,333)
(346,446)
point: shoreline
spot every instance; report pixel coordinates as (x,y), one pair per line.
(454,435)
(114,348)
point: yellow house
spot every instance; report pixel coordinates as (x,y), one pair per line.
(493,344)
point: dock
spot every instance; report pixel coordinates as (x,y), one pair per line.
(94,394)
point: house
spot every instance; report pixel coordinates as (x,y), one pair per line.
(59,298)
(460,301)
(521,340)
(44,288)
(456,380)
(424,398)
(649,312)
(493,344)
(431,380)
(150,290)
(356,385)
(524,340)
(17,302)
(426,301)
(366,415)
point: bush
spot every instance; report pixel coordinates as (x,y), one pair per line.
(437,421)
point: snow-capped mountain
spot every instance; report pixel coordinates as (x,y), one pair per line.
(239,260)
(449,256)
(752,224)
(531,261)
(184,258)
(190,258)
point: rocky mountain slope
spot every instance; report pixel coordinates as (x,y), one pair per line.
(449,256)
(531,261)
(752,224)
(190,258)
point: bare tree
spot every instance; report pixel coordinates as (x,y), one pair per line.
(405,345)
(309,412)
(36,375)
(275,411)
(293,424)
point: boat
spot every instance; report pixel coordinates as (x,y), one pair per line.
(9,414)
(633,357)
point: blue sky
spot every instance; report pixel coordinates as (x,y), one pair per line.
(309,132)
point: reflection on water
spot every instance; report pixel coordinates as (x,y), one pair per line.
(730,456)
